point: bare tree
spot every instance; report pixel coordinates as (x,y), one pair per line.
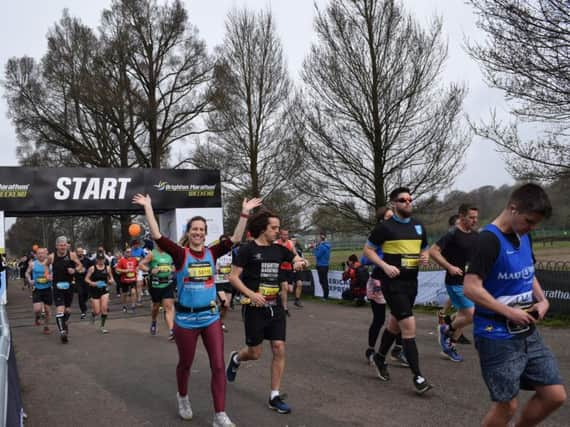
(527,56)
(251,140)
(375,113)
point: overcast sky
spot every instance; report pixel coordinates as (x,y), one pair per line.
(24,25)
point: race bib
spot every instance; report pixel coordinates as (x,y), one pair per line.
(62,285)
(200,271)
(226,269)
(130,274)
(164,268)
(269,290)
(41,280)
(410,262)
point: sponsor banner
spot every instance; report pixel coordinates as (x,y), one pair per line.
(2,253)
(431,287)
(556,287)
(214,220)
(72,190)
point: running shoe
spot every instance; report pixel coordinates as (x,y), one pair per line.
(451,354)
(463,340)
(298,304)
(125,309)
(421,385)
(287,312)
(233,367)
(83,316)
(63,337)
(104,331)
(369,354)
(37,321)
(46,330)
(224,328)
(184,408)
(443,338)
(277,404)
(153,328)
(381,367)
(397,355)
(221,419)
(171,336)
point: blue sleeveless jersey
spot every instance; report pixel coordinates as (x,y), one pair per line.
(509,282)
(196,288)
(39,271)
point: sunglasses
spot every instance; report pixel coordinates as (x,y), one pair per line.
(404,200)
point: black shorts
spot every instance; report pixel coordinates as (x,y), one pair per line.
(224,287)
(62,297)
(264,323)
(42,295)
(96,292)
(287,276)
(158,294)
(400,297)
(126,287)
(299,276)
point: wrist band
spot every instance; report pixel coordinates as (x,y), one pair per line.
(242,215)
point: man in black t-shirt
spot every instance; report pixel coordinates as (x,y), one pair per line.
(403,241)
(453,252)
(255,273)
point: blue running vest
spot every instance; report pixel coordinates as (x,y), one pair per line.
(39,273)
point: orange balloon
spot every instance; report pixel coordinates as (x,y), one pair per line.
(134,230)
(35,248)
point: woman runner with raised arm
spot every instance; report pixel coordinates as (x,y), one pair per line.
(196,312)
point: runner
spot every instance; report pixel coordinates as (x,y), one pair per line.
(453,252)
(223,286)
(298,288)
(98,277)
(81,287)
(127,268)
(196,311)
(64,265)
(404,244)
(286,269)
(508,300)
(159,264)
(261,284)
(139,253)
(39,277)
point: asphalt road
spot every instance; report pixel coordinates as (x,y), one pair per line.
(127,378)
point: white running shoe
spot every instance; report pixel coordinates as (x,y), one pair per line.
(221,419)
(184,408)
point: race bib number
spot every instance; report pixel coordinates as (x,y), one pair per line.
(131,274)
(200,271)
(225,269)
(62,285)
(268,290)
(41,280)
(410,262)
(164,269)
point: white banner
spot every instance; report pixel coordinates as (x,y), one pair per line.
(431,286)
(214,219)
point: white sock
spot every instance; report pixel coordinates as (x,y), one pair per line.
(274,393)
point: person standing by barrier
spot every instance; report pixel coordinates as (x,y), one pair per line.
(39,276)
(453,252)
(508,301)
(98,277)
(64,266)
(322,253)
(160,266)
(256,274)
(196,311)
(404,244)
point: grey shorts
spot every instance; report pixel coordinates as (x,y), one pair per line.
(513,364)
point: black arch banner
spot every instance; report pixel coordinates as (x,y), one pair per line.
(33,191)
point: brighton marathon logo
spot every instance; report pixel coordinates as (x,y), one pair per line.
(190,189)
(14,191)
(81,188)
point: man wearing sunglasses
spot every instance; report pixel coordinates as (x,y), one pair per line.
(508,300)
(403,241)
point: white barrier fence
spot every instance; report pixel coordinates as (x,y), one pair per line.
(431,286)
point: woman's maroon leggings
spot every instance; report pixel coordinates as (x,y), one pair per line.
(213,338)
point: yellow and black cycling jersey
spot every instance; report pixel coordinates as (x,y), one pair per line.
(401,242)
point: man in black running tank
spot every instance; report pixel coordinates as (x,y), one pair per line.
(64,265)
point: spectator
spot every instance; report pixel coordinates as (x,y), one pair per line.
(322,253)
(358,276)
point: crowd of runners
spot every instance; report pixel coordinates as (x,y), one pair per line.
(489,279)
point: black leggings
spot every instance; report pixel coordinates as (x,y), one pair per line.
(323,273)
(378,318)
